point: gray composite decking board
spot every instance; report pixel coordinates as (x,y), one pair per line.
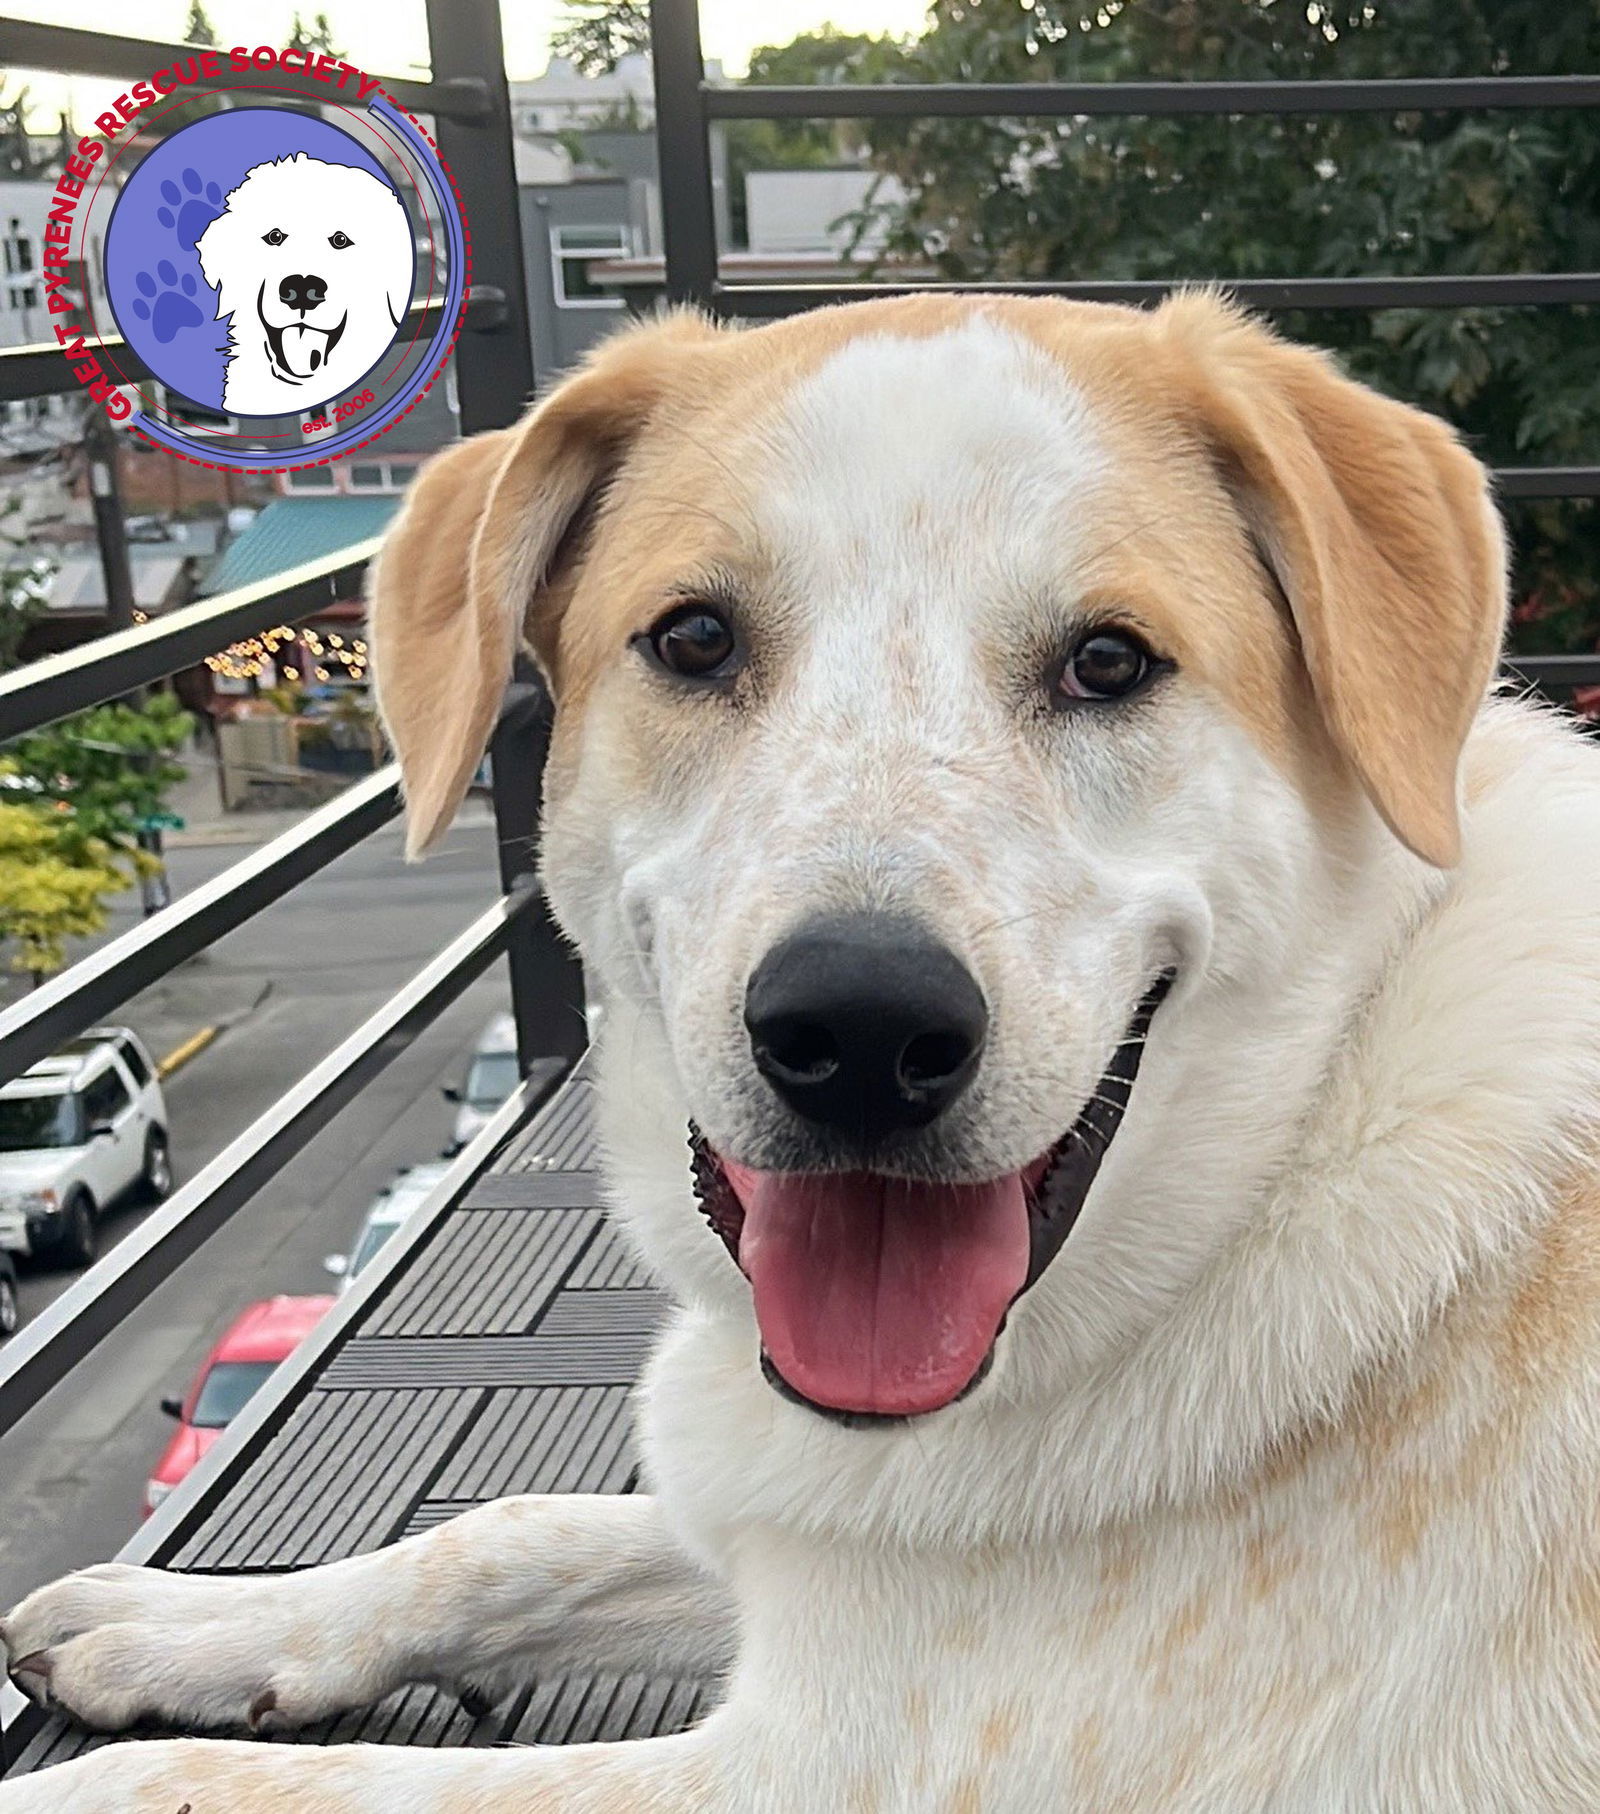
(500,1361)
(601,1359)
(562,1139)
(488,1272)
(533,1190)
(340,1479)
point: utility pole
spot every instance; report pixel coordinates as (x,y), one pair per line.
(105,496)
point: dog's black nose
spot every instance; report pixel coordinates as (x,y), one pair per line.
(302,294)
(865,1023)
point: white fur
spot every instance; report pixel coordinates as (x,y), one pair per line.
(368,281)
(1262,1510)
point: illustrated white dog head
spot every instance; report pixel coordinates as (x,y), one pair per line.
(312,264)
(989,735)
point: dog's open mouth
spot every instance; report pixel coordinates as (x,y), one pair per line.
(881,1297)
(298,351)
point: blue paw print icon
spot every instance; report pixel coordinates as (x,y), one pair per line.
(168,305)
(188,215)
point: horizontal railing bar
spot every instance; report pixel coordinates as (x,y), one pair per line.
(92,1306)
(114,665)
(184,1510)
(96,984)
(1055,100)
(1530,290)
(1544,671)
(66,50)
(1547,481)
(41,369)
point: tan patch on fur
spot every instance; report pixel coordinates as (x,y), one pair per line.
(966,1798)
(999,1732)
(917,1712)
(1268,1563)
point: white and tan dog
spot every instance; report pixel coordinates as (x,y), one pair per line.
(959,701)
(312,264)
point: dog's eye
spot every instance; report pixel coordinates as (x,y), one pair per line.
(340,240)
(1105,664)
(275,238)
(695,642)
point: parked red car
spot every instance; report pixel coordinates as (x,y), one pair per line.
(229,1377)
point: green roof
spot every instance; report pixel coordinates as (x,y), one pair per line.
(291,530)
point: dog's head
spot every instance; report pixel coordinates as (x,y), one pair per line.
(956,698)
(313,261)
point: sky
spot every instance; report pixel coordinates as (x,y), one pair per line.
(388,37)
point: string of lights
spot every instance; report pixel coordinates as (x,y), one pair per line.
(321,656)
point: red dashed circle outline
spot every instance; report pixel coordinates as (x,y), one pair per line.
(444,359)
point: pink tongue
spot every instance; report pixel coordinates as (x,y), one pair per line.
(878,1295)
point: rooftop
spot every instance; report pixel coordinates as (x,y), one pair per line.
(290,531)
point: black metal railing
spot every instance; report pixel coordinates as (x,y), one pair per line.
(687,105)
(469,103)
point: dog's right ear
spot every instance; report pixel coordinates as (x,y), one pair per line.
(485,538)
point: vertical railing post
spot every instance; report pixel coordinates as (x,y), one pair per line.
(683,151)
(495,380)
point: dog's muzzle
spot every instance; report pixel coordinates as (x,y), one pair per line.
(296,351)
(880,1297)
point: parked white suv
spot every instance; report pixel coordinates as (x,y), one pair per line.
(77,1131)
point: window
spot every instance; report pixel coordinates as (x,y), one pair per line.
(134,1059)
(310,478)
(492,1078)
(229,1387)
(18,250)
(104,1099)
(572,251)
(24,295)
(28,1122)
(371,475)
(372,1239)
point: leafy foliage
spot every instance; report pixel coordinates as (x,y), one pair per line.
(823,56)
(104,772)
(47,895)
(24,582)
(1339,194)
(595,35)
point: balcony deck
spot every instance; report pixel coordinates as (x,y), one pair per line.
(496,1357)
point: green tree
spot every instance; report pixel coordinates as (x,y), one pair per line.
(198,28)
(823,56)
(106,771)
(24,583)
(48,891)
(595,35)
(1340,194)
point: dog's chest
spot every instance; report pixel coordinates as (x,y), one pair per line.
(1246,1667)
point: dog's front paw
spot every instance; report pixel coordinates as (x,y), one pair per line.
(115,1646)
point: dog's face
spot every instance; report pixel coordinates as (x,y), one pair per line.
(313,262)
(953,699)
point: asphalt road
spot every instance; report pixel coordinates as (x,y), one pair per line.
(72,1473)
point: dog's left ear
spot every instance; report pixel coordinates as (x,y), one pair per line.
(1379,529)
(481,554)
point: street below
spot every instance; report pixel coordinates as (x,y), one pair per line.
(286,987)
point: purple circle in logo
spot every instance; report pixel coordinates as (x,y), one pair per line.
(202,288)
